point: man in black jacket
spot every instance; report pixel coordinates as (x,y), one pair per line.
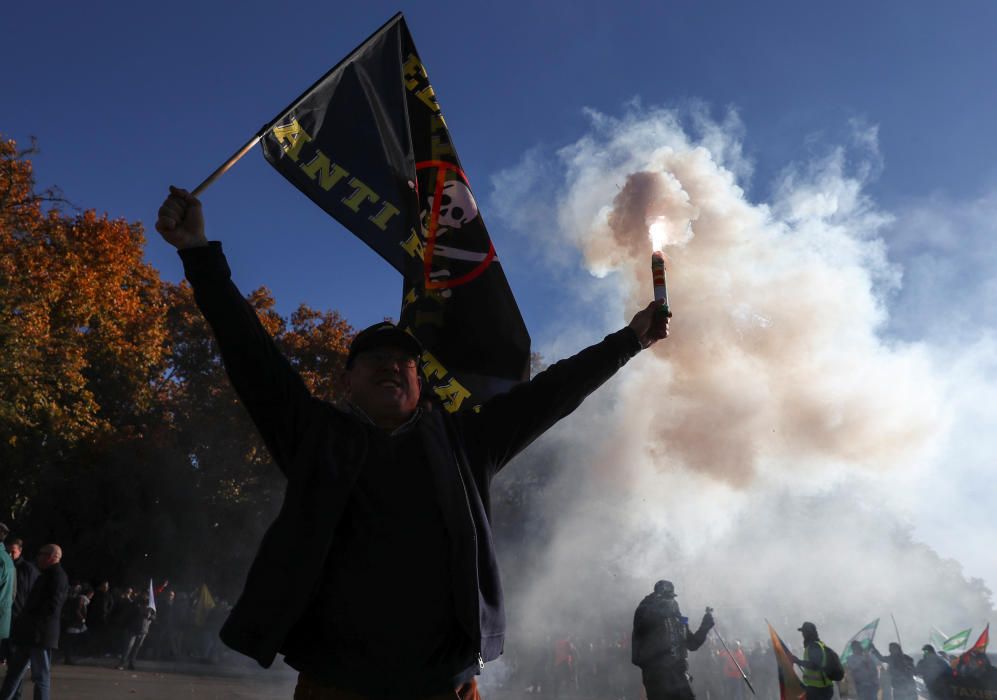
(36,631)
(661,644)
(27,574)
(379,574)
(901,668)
(816,681)
(935,671)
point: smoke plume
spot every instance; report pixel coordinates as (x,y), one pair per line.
(764,456)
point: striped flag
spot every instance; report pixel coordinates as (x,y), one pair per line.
(974,662)
(983,641)
(864,636)
(790,687)
(957,641)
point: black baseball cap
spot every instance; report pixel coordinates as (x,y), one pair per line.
(807,627)
(383,334)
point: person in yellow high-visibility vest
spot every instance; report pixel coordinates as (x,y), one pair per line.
(813,663)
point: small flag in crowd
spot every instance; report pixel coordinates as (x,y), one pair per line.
(864,636)
(983,641)
(790,687)
(205,603)
(152,595)
(957,641)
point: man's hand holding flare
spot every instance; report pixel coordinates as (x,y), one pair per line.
(651,324)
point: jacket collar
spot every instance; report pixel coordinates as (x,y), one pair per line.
(403,428)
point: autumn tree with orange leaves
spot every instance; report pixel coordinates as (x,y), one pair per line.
(119,434)
(82,338)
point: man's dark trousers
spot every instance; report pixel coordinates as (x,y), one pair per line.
(667,683)
(41,667)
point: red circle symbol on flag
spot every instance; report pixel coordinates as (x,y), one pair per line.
(452,209)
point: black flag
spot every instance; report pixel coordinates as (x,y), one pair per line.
(369,145)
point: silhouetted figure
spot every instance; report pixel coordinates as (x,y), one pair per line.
(863,673)
(75,613)
(137,626)
(387,482)
(935,671)
(36,630)
(662,642)
(816,682)
(98,614)
(901,669)
(8,584)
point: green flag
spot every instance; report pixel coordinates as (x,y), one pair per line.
(937,638)
(864,636)
(956,641)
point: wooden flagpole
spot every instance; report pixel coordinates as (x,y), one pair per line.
(223,168)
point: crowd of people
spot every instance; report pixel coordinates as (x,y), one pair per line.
(123,624)
(45,618)
(42,613)
(600,667)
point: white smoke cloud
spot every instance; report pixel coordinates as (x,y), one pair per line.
(770,455)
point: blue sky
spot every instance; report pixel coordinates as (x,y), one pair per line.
(128,97)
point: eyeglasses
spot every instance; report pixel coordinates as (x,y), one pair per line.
(376,358)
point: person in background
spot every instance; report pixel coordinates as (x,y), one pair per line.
(140,617)
(816,682)
(736,686)
(901,670)
(8,585)
(36,630)
(862,673)
(935,672)
(662,641)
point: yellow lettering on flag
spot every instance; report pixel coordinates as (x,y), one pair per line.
(417,82)
(331,173)
(413,245)
(291,138)
(414,72)
(428,96)
(431,367)
(410,298)
(452,394)
(381,218)
(361,194)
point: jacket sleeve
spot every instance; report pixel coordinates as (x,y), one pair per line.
(506,424)
(815,655)
(694,640)
(271,390)
(52,597)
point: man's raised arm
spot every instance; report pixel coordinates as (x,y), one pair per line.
(509,422)
(271,390)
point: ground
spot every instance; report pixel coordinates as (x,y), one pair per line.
(159,681)
(97,679)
